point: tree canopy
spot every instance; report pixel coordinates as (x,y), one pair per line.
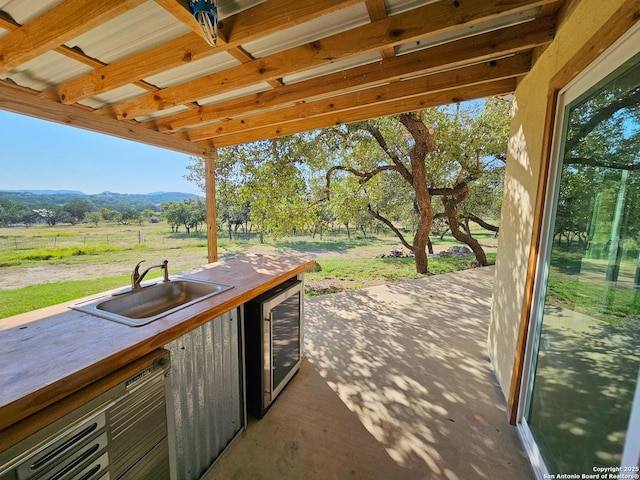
(387,171)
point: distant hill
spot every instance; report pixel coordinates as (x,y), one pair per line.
(111,200)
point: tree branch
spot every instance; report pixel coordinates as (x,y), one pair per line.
(592,162)
(482,223)
(388,223)
(364,178)
(455,190)
(401,167)
(630,100)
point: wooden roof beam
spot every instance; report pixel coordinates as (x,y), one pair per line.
(480,73)
(61,23)
(458,53)
(445,97)
(416,24)
(377,11)
(180,9)
(18,100)
(247,25)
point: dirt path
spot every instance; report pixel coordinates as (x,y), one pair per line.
(11,279)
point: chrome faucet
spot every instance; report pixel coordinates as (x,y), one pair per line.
(136,276)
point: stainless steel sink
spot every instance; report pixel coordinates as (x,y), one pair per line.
(144,305)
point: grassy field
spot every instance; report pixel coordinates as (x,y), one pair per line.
(30,298)
(42,266)
(354,273)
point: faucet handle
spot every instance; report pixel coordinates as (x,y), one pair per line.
(136,269)
(135,275)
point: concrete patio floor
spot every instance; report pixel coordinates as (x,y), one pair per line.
(397,384)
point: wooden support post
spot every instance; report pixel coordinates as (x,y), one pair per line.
(210,193)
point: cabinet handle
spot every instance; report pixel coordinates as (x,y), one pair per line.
(63,446)
(76,461)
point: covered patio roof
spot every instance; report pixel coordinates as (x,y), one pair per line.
(140,69)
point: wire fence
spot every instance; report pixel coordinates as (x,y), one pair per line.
(59,241)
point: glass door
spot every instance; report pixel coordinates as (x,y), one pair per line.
(585,349)
(285,337)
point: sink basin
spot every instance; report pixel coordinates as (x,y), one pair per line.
(142,306)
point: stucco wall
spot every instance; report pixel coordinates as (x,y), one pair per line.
(577,25)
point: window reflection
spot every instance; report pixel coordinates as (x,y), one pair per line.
(588,356)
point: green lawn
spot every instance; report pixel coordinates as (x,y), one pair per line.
(13,302)
(360,270)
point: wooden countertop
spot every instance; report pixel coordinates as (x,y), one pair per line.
(51,353)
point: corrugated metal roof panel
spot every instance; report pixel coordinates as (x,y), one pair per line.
(370,57)
(240,92)
(469,31)
(398,6)
(183,73)
(354,89)
(134,31)
(45,71)
(226,8)
(311,31)
(22,11)
(113,96)
(162,113)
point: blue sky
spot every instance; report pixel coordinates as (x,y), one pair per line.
(40,155)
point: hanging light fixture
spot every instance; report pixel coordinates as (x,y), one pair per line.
(206,14)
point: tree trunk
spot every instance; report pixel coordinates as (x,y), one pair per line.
(424,144)
(420,241)
(429,246)
(346,225)
(451,211)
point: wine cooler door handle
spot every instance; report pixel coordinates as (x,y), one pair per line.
(271,385)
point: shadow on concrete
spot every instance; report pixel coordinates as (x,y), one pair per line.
(397,385)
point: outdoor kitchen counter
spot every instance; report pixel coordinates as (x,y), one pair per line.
(53,352)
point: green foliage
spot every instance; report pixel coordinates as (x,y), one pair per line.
(77,209)
(12,213)
(112,201)
(189,213)
(603,139)
(29,209)
(94,217)
(278,186)
(52,214)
